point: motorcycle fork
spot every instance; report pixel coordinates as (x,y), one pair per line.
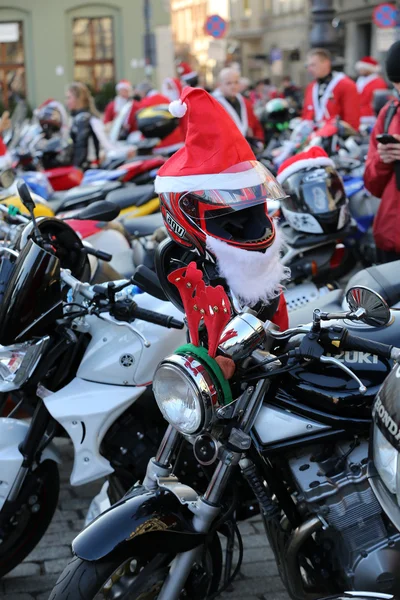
(28,448)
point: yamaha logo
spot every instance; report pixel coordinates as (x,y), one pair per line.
(126,360)
(176,228)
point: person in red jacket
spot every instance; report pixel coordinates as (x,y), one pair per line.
(382,177)
(238,107)
(151,97)
(113,109)
(331,95)
(367,82)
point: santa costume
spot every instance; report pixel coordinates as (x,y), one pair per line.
(333,96)
(216,156)
(172,88)
(114,107)
(367,85)
(246,121)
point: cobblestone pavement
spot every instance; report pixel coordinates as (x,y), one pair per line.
(35,577)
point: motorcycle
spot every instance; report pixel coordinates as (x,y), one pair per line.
(304,459)
(81,361)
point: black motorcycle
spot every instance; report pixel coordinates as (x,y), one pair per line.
(293,422)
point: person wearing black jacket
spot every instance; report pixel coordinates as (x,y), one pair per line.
(81,105)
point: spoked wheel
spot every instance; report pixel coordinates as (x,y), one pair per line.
(28,525)
(136,579)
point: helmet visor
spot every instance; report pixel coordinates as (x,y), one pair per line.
(245,185)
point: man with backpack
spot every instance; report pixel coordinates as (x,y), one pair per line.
(382,171)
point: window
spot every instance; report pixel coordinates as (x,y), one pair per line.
(246,8)
(12,68)
(94,51)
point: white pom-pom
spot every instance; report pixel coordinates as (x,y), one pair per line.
(178,109)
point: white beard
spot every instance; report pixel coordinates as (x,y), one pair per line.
(119,104)
(252,276)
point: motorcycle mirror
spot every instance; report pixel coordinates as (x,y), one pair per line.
(25,195)
(7,178)
(376,309)
(98,211)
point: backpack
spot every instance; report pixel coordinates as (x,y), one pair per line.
(391,111)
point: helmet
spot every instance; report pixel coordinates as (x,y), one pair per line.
(276,114)
(316,200)
(230,206)
(156,121)
(50,119)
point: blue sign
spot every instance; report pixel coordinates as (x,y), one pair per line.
(216,26)
(385,15)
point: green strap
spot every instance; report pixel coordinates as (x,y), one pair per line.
(202,354)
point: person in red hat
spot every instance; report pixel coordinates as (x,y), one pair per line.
(368,82)
(187,75)
(237,106)
(113,109)
(213,196)
(331,94)
(172,88)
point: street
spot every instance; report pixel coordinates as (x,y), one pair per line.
(35,577)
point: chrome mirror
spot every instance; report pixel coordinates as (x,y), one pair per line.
(376,309)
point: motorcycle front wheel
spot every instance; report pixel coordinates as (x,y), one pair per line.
(132,578)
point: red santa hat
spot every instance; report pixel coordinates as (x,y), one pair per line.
(315,157)
(185,71)
(172,88)
(124,84)
(212,146)
(369,64)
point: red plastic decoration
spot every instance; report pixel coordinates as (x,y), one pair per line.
(187,279)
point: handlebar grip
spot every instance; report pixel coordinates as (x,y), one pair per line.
(98,254)
(353,342)
(152,317)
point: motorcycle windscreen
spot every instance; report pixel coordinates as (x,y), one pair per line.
(32,299)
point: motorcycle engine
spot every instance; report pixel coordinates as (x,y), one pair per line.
(359,544)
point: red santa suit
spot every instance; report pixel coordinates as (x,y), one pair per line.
(174,140)
(114,107)
(340,99)
(367,85)
(247,122)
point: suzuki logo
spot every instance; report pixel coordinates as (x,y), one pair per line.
(352,357)
(176,228)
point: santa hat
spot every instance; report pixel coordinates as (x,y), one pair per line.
(212,146)
(185,71)
(369,64)
(315,157)
(124,84)
(172,88)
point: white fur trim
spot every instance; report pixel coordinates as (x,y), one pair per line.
(223,181)
(252,276)
(367,66)
(322,161)
(178,109)
(190,75)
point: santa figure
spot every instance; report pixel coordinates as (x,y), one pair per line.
(172,88)
(237,106)
(124,94)
(368,82)
(331,95)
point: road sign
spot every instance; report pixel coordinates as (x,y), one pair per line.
(385,15)
(385,38)
(216,26)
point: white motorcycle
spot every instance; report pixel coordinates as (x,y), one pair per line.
(81,359)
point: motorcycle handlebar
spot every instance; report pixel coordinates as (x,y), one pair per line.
(152,317)
(353,342)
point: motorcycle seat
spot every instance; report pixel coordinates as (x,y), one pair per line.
(81,195)
(132,195)
(296,239)
(383,279)
(143,226)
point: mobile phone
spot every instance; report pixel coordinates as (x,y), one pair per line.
(386,138)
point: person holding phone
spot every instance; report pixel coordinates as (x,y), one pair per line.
(382,169)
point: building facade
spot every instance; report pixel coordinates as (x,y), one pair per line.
(192,44)
(271,37)
(44,44)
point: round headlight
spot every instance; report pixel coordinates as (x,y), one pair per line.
(184,393)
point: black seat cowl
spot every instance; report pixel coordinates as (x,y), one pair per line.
(142,226)
(384,279)
(132,195)
(297,239)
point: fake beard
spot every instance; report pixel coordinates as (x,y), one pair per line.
(119,103)
(252,276)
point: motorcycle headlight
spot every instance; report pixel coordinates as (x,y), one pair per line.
(18,362)
(185,393)
(387,462)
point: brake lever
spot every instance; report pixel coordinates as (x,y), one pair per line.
(334,361)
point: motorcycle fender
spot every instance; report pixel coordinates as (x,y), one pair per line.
(142,522)
(12,433)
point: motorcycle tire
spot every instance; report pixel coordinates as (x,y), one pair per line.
(83,580)
(32,519)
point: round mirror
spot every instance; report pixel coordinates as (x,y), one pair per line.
(377,312)
(7,178)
